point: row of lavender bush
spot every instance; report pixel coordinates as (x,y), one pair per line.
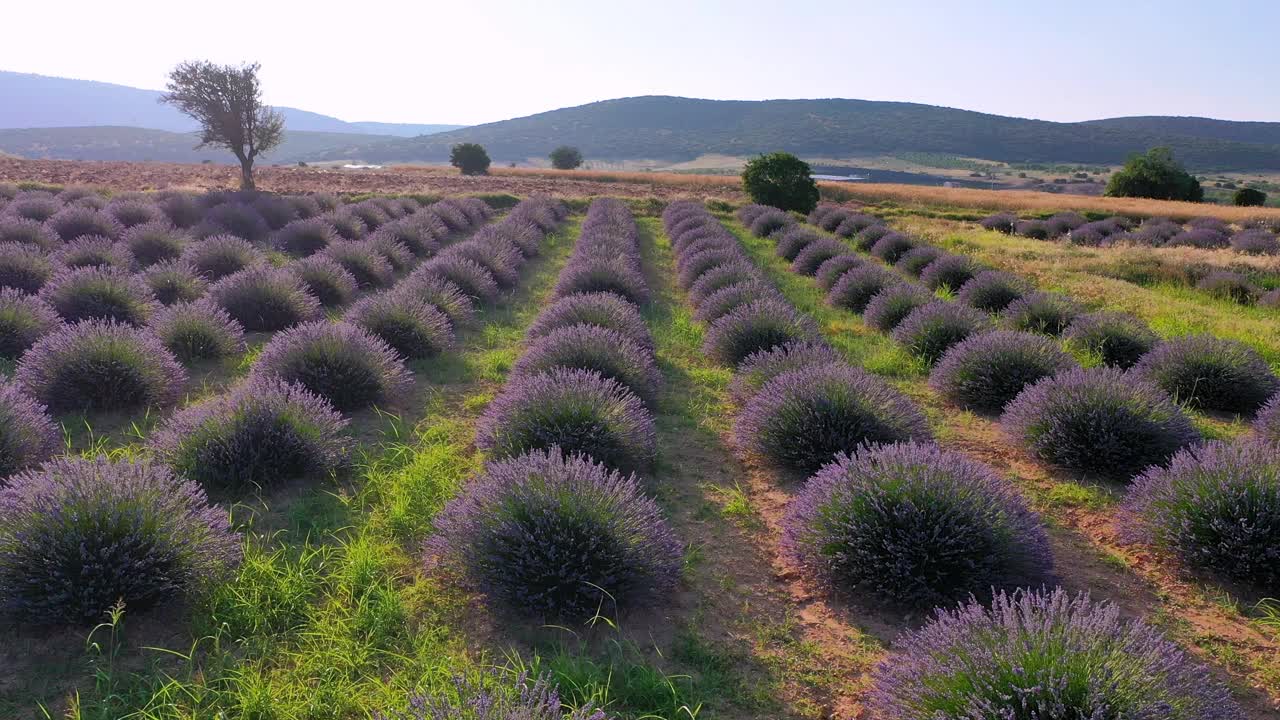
(558,525)
(918,509)
(911,522)
(78,535)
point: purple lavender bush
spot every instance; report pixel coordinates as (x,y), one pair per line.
(869,236)
(337,361)
(949,271)
(368,213)
(28,436)
(237,219)
(539,701)
(727,299)
(1255,242)
(1041,312)
(35,209)
(916,525)
(889,307)
(590,347)
(856,288)
(265,299)
(24,319)
(303,238)
(604,310)
(21,231)
(1203,371)
(324,279)
(468,275)
(197,331)
(800,419)
(985,372)
(1117,339)
(218,256)
(444,294)
(691,267)
(760,325)
(73,222)
(502,259)
(617,275)
(1200,238)
(417,237)
(891,247)
(1267,422)
(816,253)
(769,222)
(181,209)
(1043,654)
(579,411)
(413,328)
(94,251)
(346,225)
(130,213)
(1000,222)
(853,224)
(761,367)
(917,259)
(722,276)
(832,269)
(1034,229)
(1227,285)
(561,537)
(992,291)
(175,281)
(1217,508)
(154,242)
(1099,421)
(77,536)
(261,433)
(91,293)
(931,329)
(793,240)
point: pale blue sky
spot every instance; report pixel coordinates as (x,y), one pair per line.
(473,61)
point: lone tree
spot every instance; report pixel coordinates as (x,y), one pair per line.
(566,158)
(1249,197)
(470,158)
(782,180)
(227,102)
(1155,175)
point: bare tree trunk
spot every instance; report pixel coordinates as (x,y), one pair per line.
(246,174)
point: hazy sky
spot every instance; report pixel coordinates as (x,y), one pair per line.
(473,61)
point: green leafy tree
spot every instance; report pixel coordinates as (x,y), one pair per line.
(566,158)
(782,180)
(227,102)
(1248,197)
(1155,175)
(470,158)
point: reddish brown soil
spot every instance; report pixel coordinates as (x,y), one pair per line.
(395,179)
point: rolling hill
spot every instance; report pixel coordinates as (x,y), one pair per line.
(676,129)
(147,145)
(38,101)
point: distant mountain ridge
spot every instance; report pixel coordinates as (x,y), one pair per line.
(675,128)
(39,101)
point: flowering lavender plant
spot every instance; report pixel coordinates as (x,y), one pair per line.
(1118,339)
(28,436)
(760,325)
(985,372)
(336,360)
(1212,373)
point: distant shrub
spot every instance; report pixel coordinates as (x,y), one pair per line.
(366,265)
(566,157)
(590,347)
(73,222)
(1255,242)
(265,299)
(1034,229)
(801,419)
(577,411)
(831,220)
(1204,371)
(1227,285)
(1154,174)
(762,367)
(992,291)
(604,310)
(1000,222)
(130,213)
(917,259)
(539,701)
(1217,508)
(870,235)
(720,276)
(1200,238)
(91,293)
(914,524)
(153,242)
(793,240)
(1043,654)
(760,325)
(338,361)
(780,180)
(198,331)
(1117,339)
(259,434)
(1156,231)
(560,537)
(1248,197)
(931,329)
(96,365)
(856,288)
(949,271)
(985,372)
(413,328)
(617,275)
(440,292)
(470,159)
(856,224)
(77,536)
(28,436)
(816,253)
(889,307)
(1065,222)
(1093,234)
(237,219)
(1100,421)
(1041,312)
(27,232)
(175,281)
(832,269)
(91,251)
(892,246)
(302,238)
